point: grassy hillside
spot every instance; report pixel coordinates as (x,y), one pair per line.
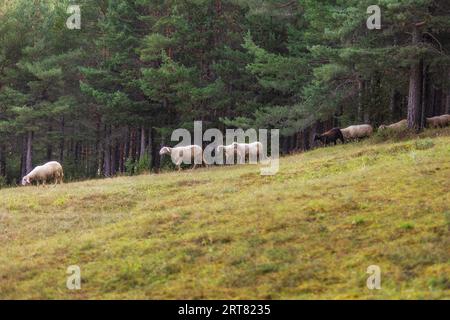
(310,231)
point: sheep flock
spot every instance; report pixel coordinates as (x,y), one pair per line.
(53,171)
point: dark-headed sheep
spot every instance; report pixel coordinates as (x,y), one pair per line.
(330,136)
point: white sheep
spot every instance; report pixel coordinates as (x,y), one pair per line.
(230,152)
(185,154)
(438,121)
(398,126)
(253,150)
(357,131)
(44,173)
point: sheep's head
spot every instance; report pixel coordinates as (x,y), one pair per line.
(165,150)
(26,181)
(382,127)
(219,149)
(317,137)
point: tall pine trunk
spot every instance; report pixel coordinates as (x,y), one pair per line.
(306,139)
(447,101)
(61,142)
(395,106)
(312,133)
(424,97)
(2,161)
(121,157)
(23,168)
(98,148)
(107,155)
(142,149)
(415,88)
(150,149)
(360,114)
(29,154)
(49,143)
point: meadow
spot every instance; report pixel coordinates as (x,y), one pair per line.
(308,232)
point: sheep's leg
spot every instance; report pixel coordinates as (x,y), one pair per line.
(263,158)
(234,159)
(261,155)
(194,166)
(241,157)
(204,161)
(178,164)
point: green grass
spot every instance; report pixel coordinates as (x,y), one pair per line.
(308,232)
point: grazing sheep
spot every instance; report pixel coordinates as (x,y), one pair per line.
(230,151)
(253,150)
(44,173)
(447,118)
(398,126)
(330,136)
(438,121)
(357,131)
(184,154)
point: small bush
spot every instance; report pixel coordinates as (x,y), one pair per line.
(439,283)
(407,226)
(358,221)
(447,219)
(391,135)
(143,164)
(138,166)
(3,182)
(424,144)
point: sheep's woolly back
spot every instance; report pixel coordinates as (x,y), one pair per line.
(346,132)
(50,170)
(229,150)
(438,121)
(446,119)
(253,150)
(249,147)
(184,154)
(357,131)
(402,124)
